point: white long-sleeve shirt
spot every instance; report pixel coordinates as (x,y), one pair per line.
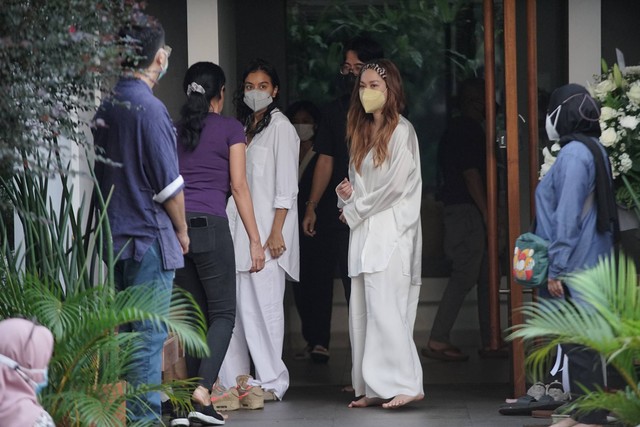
(383,211)
(272,175)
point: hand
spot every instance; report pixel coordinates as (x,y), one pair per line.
(342,217)
(275,244)
(344,189)
(183,238)
(309,222)
(257,257)
(555,288)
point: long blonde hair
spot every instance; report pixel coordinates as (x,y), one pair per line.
(359,122)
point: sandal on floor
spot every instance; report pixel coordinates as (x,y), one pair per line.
(449,354)
(527,404)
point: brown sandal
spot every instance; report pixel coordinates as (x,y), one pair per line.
(449,354)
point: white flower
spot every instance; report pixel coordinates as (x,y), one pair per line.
(544,169)
(607,113)
(629,122)
(635,69)
(625,163)
(634,92)
(603,88)
(548,157)
(608,137)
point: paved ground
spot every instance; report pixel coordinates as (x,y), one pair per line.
(463,394)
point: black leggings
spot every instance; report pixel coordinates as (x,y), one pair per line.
(209,274)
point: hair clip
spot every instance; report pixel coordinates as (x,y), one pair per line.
(194,87)
(375,67)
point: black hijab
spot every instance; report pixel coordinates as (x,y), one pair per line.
(578,120)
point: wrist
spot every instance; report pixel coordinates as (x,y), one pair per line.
(311,204)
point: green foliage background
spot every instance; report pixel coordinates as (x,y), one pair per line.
(417,35)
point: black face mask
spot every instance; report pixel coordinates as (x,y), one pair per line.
(346,83)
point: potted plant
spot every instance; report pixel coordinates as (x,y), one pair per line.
(57,276)
(609,323)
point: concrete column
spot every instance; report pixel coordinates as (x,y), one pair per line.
(202,31)
(585,39)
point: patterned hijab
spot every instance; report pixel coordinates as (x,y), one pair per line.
(30,346)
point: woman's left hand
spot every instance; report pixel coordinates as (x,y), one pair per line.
(344,189)
(275,244)
(555,288)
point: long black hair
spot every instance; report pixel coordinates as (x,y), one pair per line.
(243,112)
(210,77)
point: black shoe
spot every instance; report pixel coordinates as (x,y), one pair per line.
(179,419)
(320,354)
(205,415)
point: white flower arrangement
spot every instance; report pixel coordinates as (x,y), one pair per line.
(618,92)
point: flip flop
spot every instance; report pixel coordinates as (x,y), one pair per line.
(527,404)
(537,390)
(449,354)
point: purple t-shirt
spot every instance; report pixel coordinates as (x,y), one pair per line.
(206,168)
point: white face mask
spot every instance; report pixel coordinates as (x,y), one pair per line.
(371,99)
(257,99)
(552,133)
(304,130)
(27,373)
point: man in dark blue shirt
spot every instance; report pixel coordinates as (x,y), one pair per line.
(133,130)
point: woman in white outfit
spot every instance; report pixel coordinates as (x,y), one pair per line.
(381,204)
(272,173)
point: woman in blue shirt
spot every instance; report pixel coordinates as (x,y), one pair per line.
(576,213)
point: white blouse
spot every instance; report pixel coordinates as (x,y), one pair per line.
(383,211)
(272,175)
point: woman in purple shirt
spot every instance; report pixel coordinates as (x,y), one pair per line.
(211,154)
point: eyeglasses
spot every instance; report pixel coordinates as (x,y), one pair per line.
(167,49)
(353,69)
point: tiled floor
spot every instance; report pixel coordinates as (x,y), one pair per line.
(463,394)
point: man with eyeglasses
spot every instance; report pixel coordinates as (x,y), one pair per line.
(321,217)
(133,130)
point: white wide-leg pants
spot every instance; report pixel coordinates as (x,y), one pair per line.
(258,334)
(382,313)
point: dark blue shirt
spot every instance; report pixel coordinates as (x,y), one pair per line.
(133,130)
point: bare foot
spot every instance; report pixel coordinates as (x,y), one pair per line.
(363,402)
(401,400)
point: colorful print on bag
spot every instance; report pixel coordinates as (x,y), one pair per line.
(530,260)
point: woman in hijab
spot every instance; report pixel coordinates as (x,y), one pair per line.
(25,351)
(576,213)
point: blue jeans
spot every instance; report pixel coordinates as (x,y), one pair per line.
(146,364)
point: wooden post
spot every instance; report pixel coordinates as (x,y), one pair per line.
(492,176)
(513,180)
(532,90)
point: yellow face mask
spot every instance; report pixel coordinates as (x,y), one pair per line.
(372,100)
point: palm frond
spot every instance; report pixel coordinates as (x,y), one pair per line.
(606,318)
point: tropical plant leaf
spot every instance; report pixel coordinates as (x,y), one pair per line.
(606,319)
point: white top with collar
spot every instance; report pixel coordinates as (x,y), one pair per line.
(383,211)
(272,175)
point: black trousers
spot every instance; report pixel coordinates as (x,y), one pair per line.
(585,370)
(320,256)
(209,274)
